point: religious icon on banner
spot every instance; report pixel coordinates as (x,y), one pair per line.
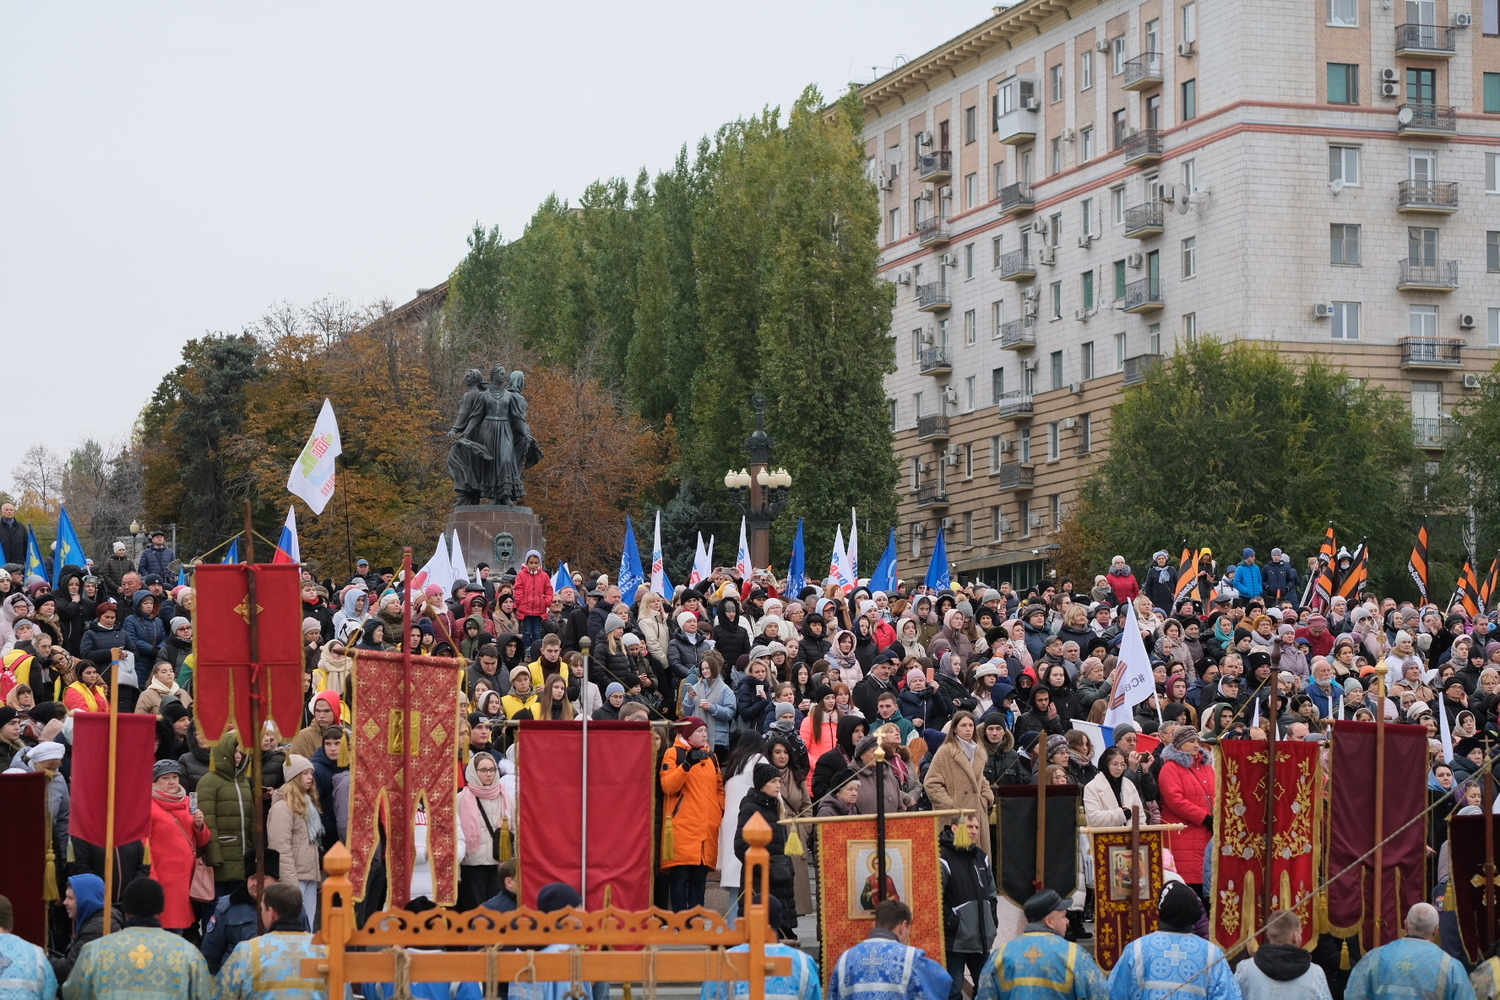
(864,870)
(1114,925)
(1120,877)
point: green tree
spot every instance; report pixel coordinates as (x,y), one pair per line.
(1230,445)
(474,313)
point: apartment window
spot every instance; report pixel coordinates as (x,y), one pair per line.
(1343,244)
(1153,338)
(1190,175)
(969,397)
(1490,19)
(1190,22)
(1025,518)
(1343,13)
(916,473)
(1119,352)
(1117,129)
(970,325)
(890,405)
(994,454)
(971,190)
(1055,298)
(1024,451)
(971,115)
(1117,205)
(1117,51)
(1028,380)
(1086,433)
(995,252)
(1056,360)
(999,180)
(1422,245)
(1492,93)
(1190,327)
(1086,70)
(1054,441)
(1492,173)
(1421,321)
(1055,83)
(1343,165)
(997,522)
(1345,325)
(1494,331)
(968,527)
(1056,156)
(997,318)
(1492,250)
(1086,215)
(895,227)
(1056,511)
(1343,83)
(1055,236)
(1119,280)
(1190,257)
(916,541)
(997,384)
(1189,99)
(1086,290)
(916,345)
(968,262)
(1421,86)
(916,406)
(1086,361)
(1086,141)
(1027,174)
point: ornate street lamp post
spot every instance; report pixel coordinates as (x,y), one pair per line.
(758,492)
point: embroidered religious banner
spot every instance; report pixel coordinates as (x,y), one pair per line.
(848,889)
(1348,907)
(407,725)
(1016,840)
(225,675)
(1114,880)
(1241,852)
(614,861)
(23,803)
(1470,872)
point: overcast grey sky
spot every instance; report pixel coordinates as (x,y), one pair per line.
(171,169)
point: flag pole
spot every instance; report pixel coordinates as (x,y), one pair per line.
(1041,821)
(1268,889)
(1380,672)
(401,894)
(109,788)
(252,745)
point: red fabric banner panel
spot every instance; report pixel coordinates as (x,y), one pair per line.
(23,803)
(621,795)
(135,753)
(1351,894)
(221,628)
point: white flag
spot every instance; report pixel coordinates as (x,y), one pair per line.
(701,567)
(1133,680)
(658,569)
(742,560)
(1445,732)
(312,473)
(1255,716)
(457,561)
(438,569)
(839,557)
(853,549)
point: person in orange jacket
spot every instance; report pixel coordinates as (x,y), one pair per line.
(693,810)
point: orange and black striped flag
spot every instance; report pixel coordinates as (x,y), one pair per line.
(1468,589)
(1330,546)
(1417,564)
(1352,584)
(1491,584)
(1322,586)
(1187,576)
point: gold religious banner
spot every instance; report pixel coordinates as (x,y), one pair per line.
(1125,889)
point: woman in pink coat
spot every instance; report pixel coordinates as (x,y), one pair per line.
(1187,796)
(177,833)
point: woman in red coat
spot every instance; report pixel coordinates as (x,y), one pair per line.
(1187,796)
(177,832)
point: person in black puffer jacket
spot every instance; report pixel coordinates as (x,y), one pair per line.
(730,637)
(764,798)
(851,730)
(815,642)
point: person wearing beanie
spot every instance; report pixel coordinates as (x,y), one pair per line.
(327,710)
(1041,962)
(692,810)
(141,959)
(294,830)
(10,735)
(1173,957)
(178,832)
(686,649)
(1186,785)
(764,799)
(614,698)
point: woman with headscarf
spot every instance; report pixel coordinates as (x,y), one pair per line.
(908,633)
(955,778)
(1187,796)
(841,656)
(486,822)
(851,729)
(503,619)
(864,642)
(956,633)
(354,608)
(731,637)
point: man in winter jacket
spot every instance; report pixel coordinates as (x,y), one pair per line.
(144,635)
(114,569)
(316,608)
(969,904)
(12,535)
(1282,581)
(533,590)
(1282,968)
(1248,579)
(877,682)
(235,918)
(157,558)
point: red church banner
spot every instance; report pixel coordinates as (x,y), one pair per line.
(23,803)
(135,753)
(620,791)
(224,677)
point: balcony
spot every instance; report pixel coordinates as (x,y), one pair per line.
(1432,433)
(932,232)
(1143,147)
(1018,265)
(936,166)
(932,495)
(1421,275)
(1431,352)
(1143,296)
(1017,335)
(1431,197)
(1018,127)
(1137,367)
(1428,40)
(1015,406)
(934,298)
(1015,477)
(1145,221)
(934,361)
(1427,120)
(1016,199)
(1143,72)
(932,428)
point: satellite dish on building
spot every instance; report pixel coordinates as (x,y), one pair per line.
(1336,185)
(1404,116)
(1180,195)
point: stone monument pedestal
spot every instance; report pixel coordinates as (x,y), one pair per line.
(496,534)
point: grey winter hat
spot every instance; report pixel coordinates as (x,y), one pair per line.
(178,622)
(613,622)
(988,596)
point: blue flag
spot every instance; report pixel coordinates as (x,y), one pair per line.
(562,578)
(34,564)
(182,575)
(69,548)
(233,553)
(630,576)
(796,569)
(883,577)
(937,570)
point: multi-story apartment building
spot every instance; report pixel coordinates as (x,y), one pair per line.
(1073,188)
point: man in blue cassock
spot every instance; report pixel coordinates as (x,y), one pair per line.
(1041,964)
(269,966)
(805,983)
(883,964)
(141,961)
(1412,968)
(1173,960)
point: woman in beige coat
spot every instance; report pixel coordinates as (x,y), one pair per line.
(294,829)
(955,779)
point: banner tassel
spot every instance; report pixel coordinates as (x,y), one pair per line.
(668,840)
(793,846)
(1344,957)
(505,851)
(961,838)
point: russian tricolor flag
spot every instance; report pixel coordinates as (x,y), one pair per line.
(287,550)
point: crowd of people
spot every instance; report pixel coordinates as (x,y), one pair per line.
(763,703)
